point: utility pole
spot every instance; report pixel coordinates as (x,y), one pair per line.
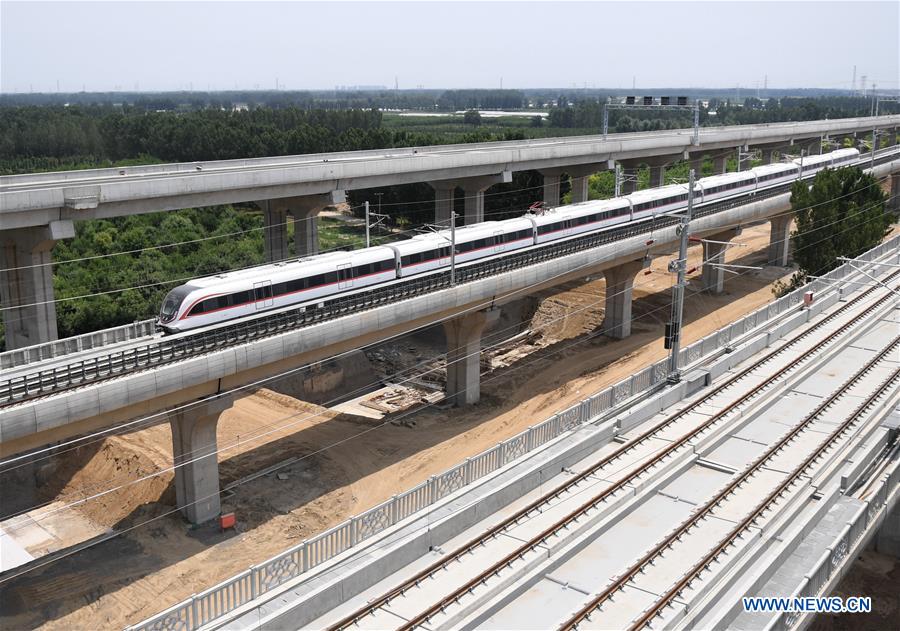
(367,223)
(606,117)
(452,248)
(673,328)
(853,83)
(874,146)
(618,180)
(697,122)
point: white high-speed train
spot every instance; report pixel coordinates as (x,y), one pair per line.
(215,299)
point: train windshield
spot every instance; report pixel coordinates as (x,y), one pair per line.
(172,302)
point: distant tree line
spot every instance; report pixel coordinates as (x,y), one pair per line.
(589,112)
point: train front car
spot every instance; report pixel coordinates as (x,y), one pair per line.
(172,308)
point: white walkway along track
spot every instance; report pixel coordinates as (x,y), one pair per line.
(680,496)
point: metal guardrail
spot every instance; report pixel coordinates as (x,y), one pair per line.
(835,555)
(257,580)
(76,344)
(166,351)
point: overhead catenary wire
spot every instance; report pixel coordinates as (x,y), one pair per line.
(291,258)
(176,509)
(476,307)
(296,220)
(282,428)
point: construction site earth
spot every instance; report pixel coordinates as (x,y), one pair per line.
(345,435)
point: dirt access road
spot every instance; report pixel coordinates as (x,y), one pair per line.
(345,464)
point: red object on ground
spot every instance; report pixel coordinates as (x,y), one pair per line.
(227,521)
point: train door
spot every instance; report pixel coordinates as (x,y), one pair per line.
(345,276)
(262,294)
(498,241)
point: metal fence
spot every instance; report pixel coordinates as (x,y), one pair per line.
(166,351)
(76,344)
(259,579)
(834,557)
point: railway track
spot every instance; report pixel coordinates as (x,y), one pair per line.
(709,508)
(156,353)
(642,440)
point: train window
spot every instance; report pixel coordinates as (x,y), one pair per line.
(239,298)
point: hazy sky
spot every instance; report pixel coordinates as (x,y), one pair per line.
(223,45)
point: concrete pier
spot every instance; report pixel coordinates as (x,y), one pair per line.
(196,461)
(473,194)
(887,541)
(697,165)
(657,176)
(629,179)
(464,354)
(275,232)
(713,276)
(780,240)
(304,210)
(552,181)
(443,201)
(26,283)
(720,164)
(619,286)
(473,189)
(579,178)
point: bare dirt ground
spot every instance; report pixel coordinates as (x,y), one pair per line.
(874,575)
(343,464)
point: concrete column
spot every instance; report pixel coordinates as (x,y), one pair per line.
(619,285)
(26,283)
(579,176)
(629,179)
(473,192)
(720,164)
(887,540)
(196,463)
(813,147)
(552,178)
(697,165)
(473,197)
(713,276)
(657,166)
(780,240)
(443,202)
(464,355)
(275,231)
(742,164)
(894,202)
(303,210)
(306,232)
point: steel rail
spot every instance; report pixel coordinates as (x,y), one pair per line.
(165,351)
(494,531)
(670,540)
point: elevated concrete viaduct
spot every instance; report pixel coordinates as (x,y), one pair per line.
(301,185)
(467,308)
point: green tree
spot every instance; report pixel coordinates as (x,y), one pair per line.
(843,214)
(472,117)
